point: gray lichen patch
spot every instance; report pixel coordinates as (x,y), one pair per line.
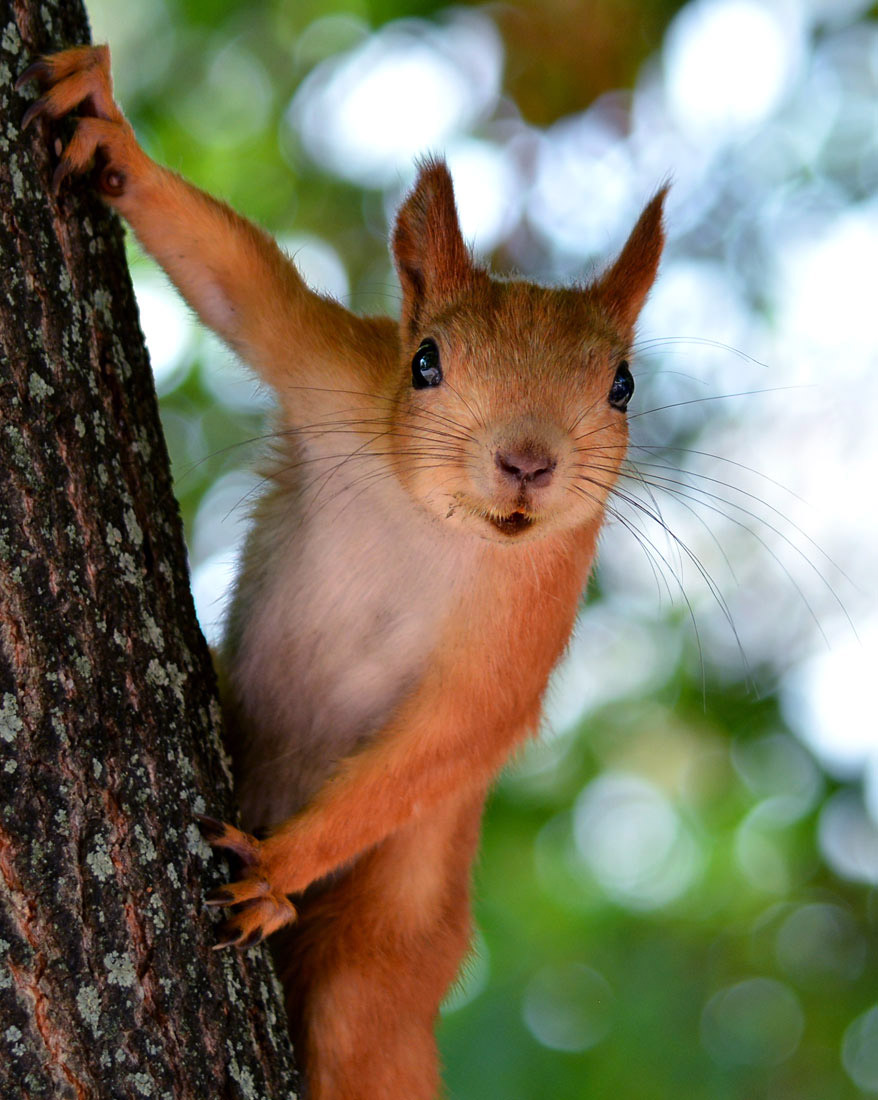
(152,630)
(169,675)
(147,848)
(143,1083)
(177,679)
(88,1004)
(19,185)
(184,767)
(244,1078)
(39,388)
(196,843)
(18,449)
(156,674)
(11,724)
(99,861)
(10,40)
(156,909)
(133,527)
(120,970)
(103,302)
(130,570)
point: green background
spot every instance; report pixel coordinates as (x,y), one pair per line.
(675,894)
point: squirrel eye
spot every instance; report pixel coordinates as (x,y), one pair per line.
(622,387)
(426,370)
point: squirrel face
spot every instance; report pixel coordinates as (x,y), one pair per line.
(504,423)
(510,413)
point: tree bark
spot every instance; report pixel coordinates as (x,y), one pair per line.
(109,722)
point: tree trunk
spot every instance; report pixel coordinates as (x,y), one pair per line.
(109,722)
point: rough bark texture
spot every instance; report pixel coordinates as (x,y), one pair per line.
(109,725)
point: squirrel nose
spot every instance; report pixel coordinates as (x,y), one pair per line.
(526,467)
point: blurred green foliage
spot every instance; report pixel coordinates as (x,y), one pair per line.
(656,909)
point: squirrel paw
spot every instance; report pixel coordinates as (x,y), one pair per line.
(261,909)
(80,78)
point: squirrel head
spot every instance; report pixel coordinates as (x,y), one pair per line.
(510,410)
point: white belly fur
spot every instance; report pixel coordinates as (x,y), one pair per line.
(350,591)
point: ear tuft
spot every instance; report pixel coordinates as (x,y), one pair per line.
(623,288)
(432,260)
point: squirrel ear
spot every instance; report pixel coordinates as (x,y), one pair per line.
(432,260)
(623,288)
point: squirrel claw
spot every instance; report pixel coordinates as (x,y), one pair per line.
(78,80)
(251,940)
(62,171)
(211,828)
(261,908)
(39,70)
(229,935)
(37,108)
(220,896)
(255,920)
(220,835)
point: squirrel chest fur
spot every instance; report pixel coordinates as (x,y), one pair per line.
(346,621)
(411,577)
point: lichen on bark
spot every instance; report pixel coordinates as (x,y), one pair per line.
(109,723)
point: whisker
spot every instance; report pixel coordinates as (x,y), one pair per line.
(713,587)
(744,492)
(644,541)
(717,397)
(704,341)
(674,486)
(667,485)
(478,419)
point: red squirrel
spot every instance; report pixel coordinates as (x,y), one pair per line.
(411,576)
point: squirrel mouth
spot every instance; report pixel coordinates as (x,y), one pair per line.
(513,524)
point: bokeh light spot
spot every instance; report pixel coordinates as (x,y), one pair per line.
(849,838)
(828,700)
(406,91)
(727,64)
(319,264)
(167,327)
(568,1007)
(757,1022)
(211,584)
(633,841)
(859,1051)
(779,770)
(759,855)
(821,943)
(231,103)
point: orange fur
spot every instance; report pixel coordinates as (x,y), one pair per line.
(410,580)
